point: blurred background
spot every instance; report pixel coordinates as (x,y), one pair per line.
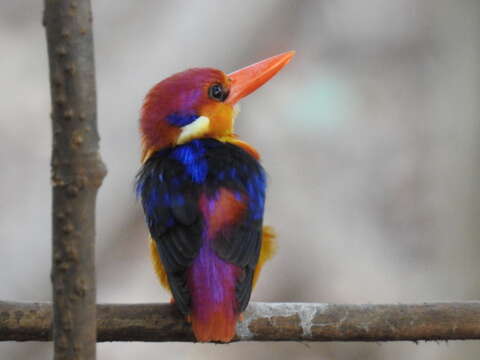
(371,138)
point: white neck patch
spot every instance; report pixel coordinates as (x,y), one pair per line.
(195,129)
(236,111)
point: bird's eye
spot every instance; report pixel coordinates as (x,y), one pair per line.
(216,92)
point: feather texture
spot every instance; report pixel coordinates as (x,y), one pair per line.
(204,204)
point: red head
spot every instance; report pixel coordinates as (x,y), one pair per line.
(200,103)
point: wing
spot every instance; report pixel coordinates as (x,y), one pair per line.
(170,203)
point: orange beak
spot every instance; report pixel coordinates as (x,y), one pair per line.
(250,78)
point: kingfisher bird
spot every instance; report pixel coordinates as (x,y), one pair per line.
(203,192)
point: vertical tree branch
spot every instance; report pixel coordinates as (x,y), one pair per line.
(77,172)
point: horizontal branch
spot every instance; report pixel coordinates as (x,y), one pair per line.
(262,322)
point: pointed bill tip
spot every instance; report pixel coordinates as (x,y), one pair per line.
(247,80)
(288,55)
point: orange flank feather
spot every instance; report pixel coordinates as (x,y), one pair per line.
(157,265)
(267,251)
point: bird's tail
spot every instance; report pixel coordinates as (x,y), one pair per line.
(217,325)
(211,282)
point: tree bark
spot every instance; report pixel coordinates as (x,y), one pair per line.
(77,172)
(263,322)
